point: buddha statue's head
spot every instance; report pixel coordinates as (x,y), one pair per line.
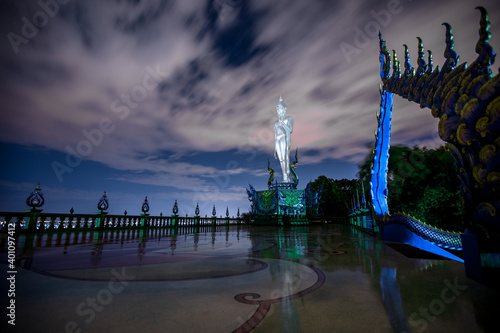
(281,108)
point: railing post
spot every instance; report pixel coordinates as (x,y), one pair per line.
(144,220)
(32,219)
(100,223)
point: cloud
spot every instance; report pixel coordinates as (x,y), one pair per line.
(222,71)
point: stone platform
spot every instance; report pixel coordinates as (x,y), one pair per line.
(281,204)
(239,279)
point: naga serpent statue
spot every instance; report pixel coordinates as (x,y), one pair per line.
(292,169)
(271,174)
(467,102)
(293,174)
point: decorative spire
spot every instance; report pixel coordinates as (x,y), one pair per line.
(197,210)
(430,66)
(35,199)
(103,203)
(408,68)
(483,48)
(385,58)
(450,54)
(175,210)
(145,206)
(271,174)
(422,66)
(396,67)
(227,211)
(238,213)
(214,212)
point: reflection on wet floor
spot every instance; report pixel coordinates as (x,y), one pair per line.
(240,278)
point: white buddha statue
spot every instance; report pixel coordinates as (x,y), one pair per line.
(282,130)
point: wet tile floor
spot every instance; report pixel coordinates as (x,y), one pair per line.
(327,278)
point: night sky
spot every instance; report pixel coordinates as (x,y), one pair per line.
(175,99)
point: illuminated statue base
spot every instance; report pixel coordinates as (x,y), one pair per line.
(281,204)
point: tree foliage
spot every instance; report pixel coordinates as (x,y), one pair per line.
(336,195)
(422,183)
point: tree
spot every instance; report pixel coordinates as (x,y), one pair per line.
(423,183)
(336,195)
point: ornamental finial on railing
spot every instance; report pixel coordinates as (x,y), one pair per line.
(238,213)
(175,210)
(422,65)
(430,66)
(227,211)
(214,212)
(449,53)
(197,210)
(145,205)
(103,203)
(408,68)
(483,48)
(385,59)
(35,199)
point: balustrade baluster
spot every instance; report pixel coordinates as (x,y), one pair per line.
(52,224)
(78,223)
(7,222)
(41,223)
(60,226)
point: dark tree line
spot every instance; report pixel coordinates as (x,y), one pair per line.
(422,183)
(336,195)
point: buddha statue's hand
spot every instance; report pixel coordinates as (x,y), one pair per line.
(285,126)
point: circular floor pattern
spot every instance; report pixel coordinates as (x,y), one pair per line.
(194,269)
